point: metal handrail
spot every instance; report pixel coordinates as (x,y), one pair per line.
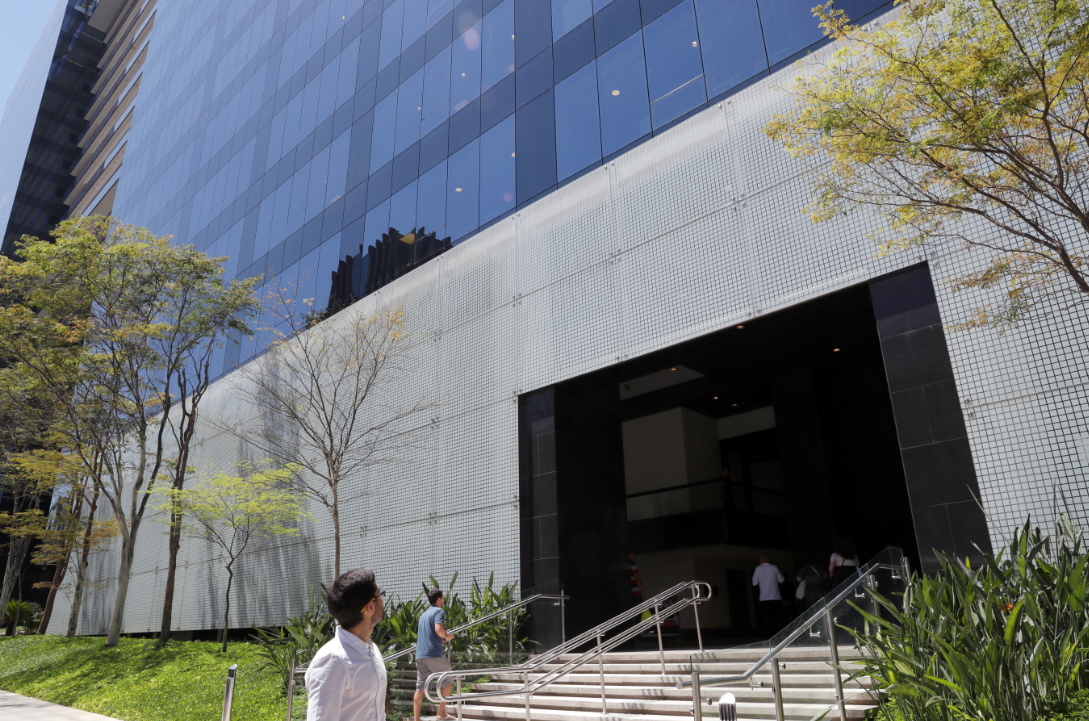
(595,634)
(865,576)
(508,610)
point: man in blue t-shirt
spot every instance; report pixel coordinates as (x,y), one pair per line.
(430,658)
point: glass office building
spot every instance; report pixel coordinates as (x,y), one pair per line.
(287,136)
(640,341)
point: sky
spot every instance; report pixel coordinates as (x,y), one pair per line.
(24,21)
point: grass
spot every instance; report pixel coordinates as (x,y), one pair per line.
(1078,710)
(138,680)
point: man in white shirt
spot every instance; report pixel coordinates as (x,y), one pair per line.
(768,577)
(346,680)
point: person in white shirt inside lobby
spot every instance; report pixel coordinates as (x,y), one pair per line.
(768,577)
(346,680)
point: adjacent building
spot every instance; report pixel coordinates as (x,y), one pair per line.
(640,341)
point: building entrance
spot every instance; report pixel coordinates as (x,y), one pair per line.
(773,437)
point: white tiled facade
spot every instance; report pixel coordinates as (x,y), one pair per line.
(693,231)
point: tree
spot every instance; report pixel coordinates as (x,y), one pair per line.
(231,512)
(960,110)
(322,397)
(105,319)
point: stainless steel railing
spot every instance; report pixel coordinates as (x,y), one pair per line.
(558,599)
(509,612)
(665,604)
(821,614)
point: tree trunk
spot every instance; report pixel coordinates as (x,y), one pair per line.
(60,572)
(58,579)
(171,572)
(81,572)
(117,617)
(227,612)
(335,511)
(16,553)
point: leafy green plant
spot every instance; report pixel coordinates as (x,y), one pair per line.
(1008,640)
(299,639)
(26,614)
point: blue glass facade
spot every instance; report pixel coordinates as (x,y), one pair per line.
(289,134)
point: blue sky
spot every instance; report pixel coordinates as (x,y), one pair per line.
(23,24)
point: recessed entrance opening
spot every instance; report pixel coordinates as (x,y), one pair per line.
(775,436)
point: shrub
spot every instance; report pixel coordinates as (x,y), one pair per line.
(1007,640)
(21,614)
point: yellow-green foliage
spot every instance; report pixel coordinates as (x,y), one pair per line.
(959,109)
(139,680)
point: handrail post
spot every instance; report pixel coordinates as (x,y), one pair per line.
(835,663)
(563,626)
(696,610)
(601,675)
(228,692)
(291,689)
(661,648)
(510,636)
(778,689)
(525,683)
(697,711)
(457,701)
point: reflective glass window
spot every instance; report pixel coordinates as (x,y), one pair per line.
(497,59)
(463,197)
(535,144)
(674,66)
(731,41)
(568,15)
(789,26)
(276,139)
(415,22)
(319,178)
(437,9)
(384,132)
(291,123)
(264,227)
(327,101)
(338,167)
(598,4)
(431,204)
(308,115)
(392,21)
(299,188)
(436,92)
(622,90)
(532,28)
(497,170)
(465,69)
(409,100)
(578,140)
(281,205)
(287,57)
(369,42)
(328,256)
(349,62)
(402,209)
(377,224)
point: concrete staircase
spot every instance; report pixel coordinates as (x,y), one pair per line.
(635,689)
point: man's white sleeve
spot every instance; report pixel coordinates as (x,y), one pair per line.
(325,690)
(781,579)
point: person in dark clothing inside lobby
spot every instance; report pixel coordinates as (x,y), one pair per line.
(430,657)
(768,577)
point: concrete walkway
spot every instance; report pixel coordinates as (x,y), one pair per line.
(14,707)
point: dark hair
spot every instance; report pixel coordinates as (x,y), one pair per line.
(846,549)
(433,596)
(349,594)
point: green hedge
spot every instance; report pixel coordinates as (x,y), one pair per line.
(138,680)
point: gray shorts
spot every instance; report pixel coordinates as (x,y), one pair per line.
(427,667)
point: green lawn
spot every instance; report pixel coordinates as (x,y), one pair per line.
(138,681)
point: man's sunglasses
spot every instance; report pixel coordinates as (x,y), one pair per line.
(380,594)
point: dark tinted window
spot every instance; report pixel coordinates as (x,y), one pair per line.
(578,137)
(622,89)
(733,46)
(497,154)
(674,67)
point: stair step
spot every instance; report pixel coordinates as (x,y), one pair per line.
(730,654)
(745,712)
(825,694)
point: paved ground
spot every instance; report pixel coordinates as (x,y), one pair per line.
(14,707)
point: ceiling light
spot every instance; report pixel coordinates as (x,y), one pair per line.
(457,190)
(616,92)
(693,43)
(672,369)
(463,75)
(734,405)
(512,155)
(715,398)
(835,350)
(740,327)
